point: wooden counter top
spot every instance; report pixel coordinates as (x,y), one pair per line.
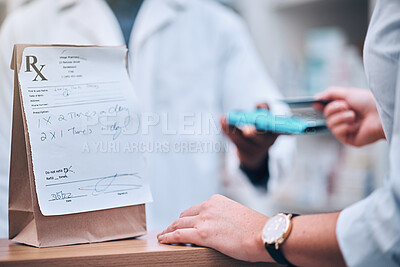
(143,251)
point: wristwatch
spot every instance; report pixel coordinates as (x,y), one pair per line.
(274,234)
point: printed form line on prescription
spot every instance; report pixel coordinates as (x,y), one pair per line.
(88,93)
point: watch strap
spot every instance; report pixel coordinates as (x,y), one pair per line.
(277,254)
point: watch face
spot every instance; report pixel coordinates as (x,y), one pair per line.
(275,228)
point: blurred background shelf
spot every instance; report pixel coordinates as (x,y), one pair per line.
(279,28)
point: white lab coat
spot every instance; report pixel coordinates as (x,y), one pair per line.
(368,232)
(185,56)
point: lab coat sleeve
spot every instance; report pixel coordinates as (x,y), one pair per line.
(368,232)
(245,83)
(6,92)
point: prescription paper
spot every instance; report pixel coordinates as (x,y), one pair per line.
(77,98)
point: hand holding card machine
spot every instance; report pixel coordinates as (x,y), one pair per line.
(264,120)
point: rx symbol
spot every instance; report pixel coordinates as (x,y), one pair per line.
(31,62)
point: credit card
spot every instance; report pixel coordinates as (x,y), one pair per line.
(304,102)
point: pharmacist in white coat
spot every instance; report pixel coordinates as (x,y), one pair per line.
(189,61)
